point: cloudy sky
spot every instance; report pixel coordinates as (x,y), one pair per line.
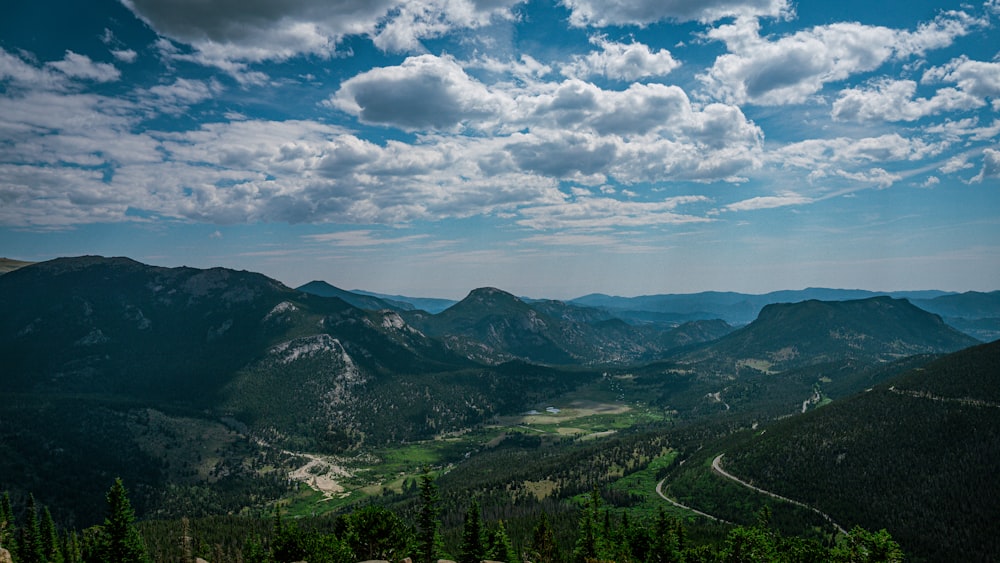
(551,148)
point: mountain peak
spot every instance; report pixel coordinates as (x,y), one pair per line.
(490,294)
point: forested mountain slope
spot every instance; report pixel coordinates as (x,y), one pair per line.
(491,324)
(916,455)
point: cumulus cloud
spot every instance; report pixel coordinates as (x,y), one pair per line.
(976,78)
(603,13)
(794,67)
(125,55)
(230,31)
(894,100)
(621,61)
(80,66)
(991,165)
(425,92)
(55,75)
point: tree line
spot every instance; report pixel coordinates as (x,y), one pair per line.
(374,532)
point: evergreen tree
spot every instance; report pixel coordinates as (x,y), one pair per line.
(288,543)
(122,541)
(428,538)
(376,533)
(472,536)
(71,548)
(543,541)
(664,545)
(30,544)
(588,536)
(6,521)
(500,547)
(863,546)
(50,538)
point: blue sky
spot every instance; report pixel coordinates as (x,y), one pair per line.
(549,148)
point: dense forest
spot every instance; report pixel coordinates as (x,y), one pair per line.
(377,533)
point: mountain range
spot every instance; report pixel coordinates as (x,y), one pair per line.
(199,385)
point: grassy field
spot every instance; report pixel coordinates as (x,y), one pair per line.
(590,413)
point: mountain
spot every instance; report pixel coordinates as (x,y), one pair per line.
(975,313)
(877,329)
(359,300)
(491,323)
(915,455)
(430,304)
(732,307)
(795,356)
(116,367)
(9,265)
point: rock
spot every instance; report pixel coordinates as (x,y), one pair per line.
(5,556)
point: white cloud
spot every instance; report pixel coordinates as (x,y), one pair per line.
(125,55)
(991,166)
(794,67)
(620,61)
(75,65)
(955,163)
(229,32)
(894,100)
(360,239)
(977,78)
(768,202)
(424,92)
(877,177)
(590,213)
(824,154)
(177,97)
(603,13)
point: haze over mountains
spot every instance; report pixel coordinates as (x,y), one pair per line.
(115,367)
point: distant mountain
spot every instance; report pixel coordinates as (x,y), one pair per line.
(974,313)
(916,455)
(734,308)
(490,323)
(877,329)
(359,300)
(795,356)
(430,304)
(9,265)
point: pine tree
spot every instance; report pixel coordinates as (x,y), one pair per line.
(588,535)
(122,541)
(428,538)
(472,536)
(71,548)
(30,544)
(500,546)
(543,541)
(50,538)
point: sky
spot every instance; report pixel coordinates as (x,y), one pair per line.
(551,148)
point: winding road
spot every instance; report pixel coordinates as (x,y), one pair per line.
(717,467)
(659,491)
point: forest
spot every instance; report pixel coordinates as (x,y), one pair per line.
(374,532)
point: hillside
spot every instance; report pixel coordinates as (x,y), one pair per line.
(876,329)
(918,452)
(796,356)
(109,351)
(9,265)
(491,323)
(359,300)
